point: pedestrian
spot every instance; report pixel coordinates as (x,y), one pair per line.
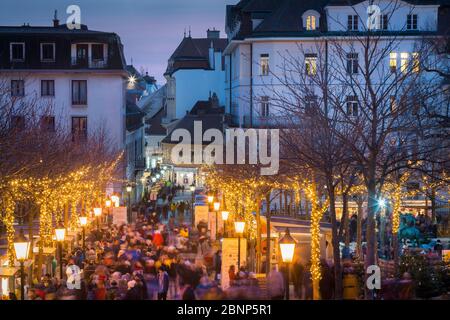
(275,283)
(163,284)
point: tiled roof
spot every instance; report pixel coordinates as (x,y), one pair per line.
(155,128)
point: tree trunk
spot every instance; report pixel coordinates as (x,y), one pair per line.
(433,205)
(359,229)
(335,242)
(268,234)
(258,236)
(370,231)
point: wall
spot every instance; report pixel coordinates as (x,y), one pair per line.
(105,100)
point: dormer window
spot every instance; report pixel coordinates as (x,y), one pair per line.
(311,20)
(97,52)
(47,52)
(17,51)
(310,23)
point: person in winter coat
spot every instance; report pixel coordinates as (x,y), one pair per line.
(163,284)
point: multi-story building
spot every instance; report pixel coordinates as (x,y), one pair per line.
(80,73)
(271,40)
(262,34)
(195,71)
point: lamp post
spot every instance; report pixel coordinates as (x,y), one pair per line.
(83,223)
(192,188)
(97,214)
(287,248)
(225,215)
(239,227)
(60,234)
(22,249)
(216,209)
(129,189)
(108,204)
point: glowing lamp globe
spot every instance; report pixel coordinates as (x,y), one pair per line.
(287,247)
(21,247)
(83,221)
(97,212)
(129,188)
(108,203)
(216,206)
(192,188)
(239,227)
(210,199)
(225,215)
(60,233)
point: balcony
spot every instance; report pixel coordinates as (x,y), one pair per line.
(91,64)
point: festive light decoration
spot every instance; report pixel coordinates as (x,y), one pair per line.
(56,198)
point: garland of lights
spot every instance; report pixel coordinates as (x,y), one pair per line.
(53,196)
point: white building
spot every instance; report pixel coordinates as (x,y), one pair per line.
(195,71)
(79,73)
(263,33)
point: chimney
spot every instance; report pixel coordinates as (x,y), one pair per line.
(213,34)
(55,19)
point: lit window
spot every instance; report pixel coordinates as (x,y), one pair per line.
(416,62)
(264,64)
(311,64)
(404,57)
(311,23)
(393,62)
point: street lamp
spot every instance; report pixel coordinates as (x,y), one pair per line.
(129,188)
(60,234)
(83,223)
(225,215)
(210,199)
(216,209)
(22,249)
(108,204)
(192,188)
(97,214)
(116,201)
(287,248)
(239,227)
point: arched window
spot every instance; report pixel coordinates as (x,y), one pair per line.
(311,23)
(311,20)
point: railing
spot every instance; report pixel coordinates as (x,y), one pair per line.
(84,63)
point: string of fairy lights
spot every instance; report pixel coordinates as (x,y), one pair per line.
(244,194)
(77,191)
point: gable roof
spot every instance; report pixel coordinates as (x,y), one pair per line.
(154,124)
(193,53)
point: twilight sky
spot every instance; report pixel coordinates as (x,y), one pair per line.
(150,29)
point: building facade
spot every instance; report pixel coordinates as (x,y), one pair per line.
(77,77)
